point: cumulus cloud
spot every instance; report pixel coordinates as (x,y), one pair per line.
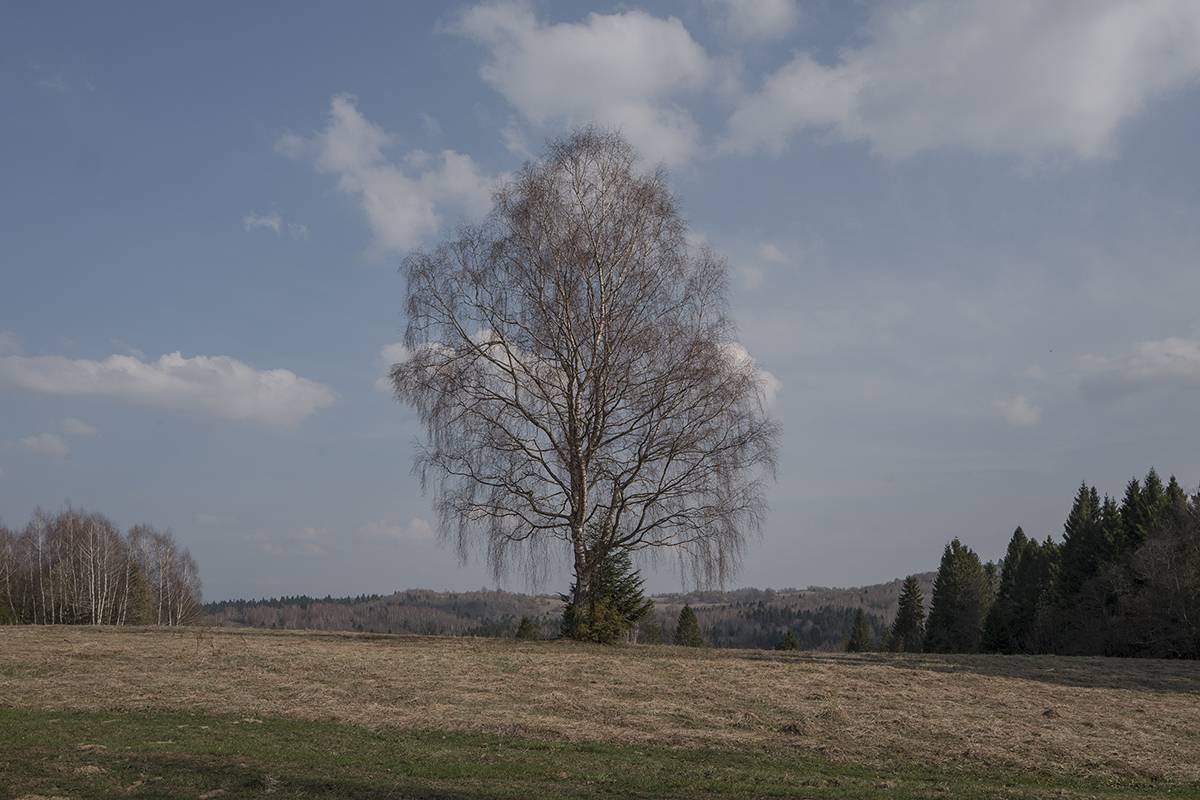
(77,427)
(215,385)
(274,222)
(416,529)
(747,20)
(1023,78)
(626,70)
(1018,411)
(1170,360)
(46,444)
(405,201)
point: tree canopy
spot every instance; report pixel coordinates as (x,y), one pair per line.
(575,370)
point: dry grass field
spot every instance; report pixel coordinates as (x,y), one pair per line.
(1096,718)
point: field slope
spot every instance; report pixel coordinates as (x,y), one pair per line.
(224,713)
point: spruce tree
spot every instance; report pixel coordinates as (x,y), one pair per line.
(860,634)
(789,641)
(526,629)
(962,594)
(997,630)
(1076,619)
(616,603)
(907,634)
(687,631)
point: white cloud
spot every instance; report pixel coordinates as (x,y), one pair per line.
(77,427)
(405,202)
(275,222)
(747,20)
(1018,411)
(272,222)
(771,385)
(416,530)
(390,355)
(10,343)
(216,385)
(1173,359)
(772,254)
(624,70)
(1024,78)
(47,444)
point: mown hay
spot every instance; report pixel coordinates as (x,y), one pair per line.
(1110,717)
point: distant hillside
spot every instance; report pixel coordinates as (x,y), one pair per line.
(820,616)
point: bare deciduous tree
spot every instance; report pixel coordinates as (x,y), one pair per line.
(77,568)
(578,377)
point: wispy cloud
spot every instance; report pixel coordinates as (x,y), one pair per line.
(50,445)
(274,222)
(416,529)
(10,343)
(1170,360)
(312,542)
(1018,411)
(77,427)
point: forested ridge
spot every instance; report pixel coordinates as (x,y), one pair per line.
(755,618)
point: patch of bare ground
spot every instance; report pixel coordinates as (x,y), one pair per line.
(1081,716)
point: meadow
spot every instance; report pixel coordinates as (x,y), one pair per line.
(214,712)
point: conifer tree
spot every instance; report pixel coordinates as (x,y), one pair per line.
(789,641)
(962,594)
(1076,618)
(615,603)
(526,629)
(687,631)
(860,634)
(1025,580)
(907,634)
(997,630)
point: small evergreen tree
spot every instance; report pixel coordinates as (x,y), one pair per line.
(615,605)
(860,634)
(962,594)
(789,641)
(907,634)
(526,629)
(687,630)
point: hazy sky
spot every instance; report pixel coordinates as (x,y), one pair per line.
(964,237)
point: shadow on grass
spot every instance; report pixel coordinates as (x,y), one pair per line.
(1156,675)
(205,756)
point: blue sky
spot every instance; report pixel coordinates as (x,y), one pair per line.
(962,236)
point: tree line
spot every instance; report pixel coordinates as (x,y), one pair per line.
(78,568)
(1123,581)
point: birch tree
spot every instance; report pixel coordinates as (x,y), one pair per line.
(578,378)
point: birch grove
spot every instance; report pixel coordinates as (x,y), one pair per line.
(77,568)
